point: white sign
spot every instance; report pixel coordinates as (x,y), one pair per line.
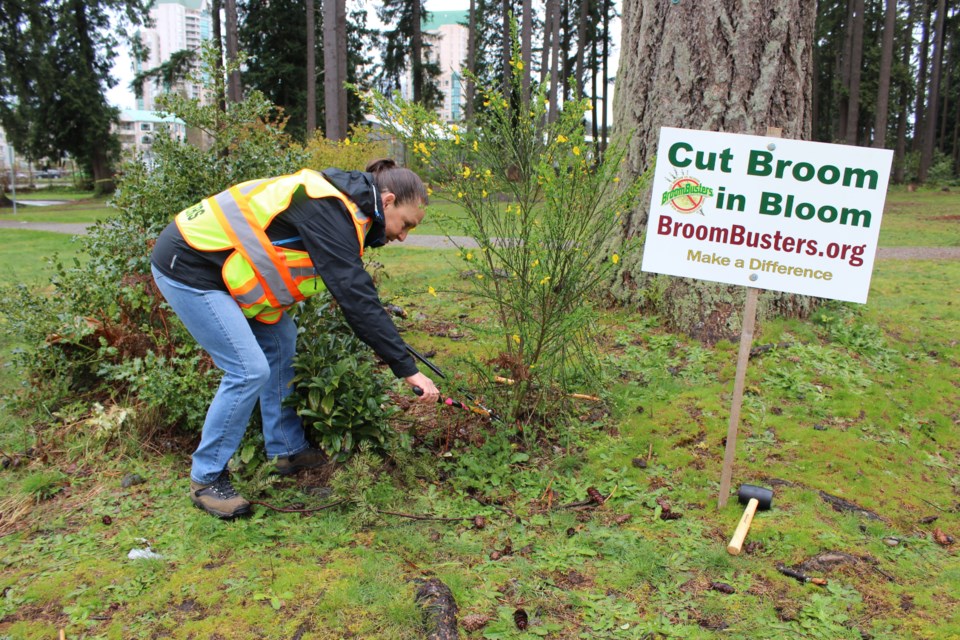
(771,213)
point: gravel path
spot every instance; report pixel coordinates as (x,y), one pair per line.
(443,242)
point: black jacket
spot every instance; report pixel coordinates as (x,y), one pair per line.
(324,229)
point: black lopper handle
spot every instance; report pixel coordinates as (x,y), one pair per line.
(440,400)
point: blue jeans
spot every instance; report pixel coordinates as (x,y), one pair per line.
(257,363)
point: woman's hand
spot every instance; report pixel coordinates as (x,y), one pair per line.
(430,391)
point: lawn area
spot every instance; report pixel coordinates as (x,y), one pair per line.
(75,210)
(851,417)
(923,218)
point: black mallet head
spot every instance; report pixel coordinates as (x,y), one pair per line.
(763,496)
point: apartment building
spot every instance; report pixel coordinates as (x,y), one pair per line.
(176,25)
(138,130)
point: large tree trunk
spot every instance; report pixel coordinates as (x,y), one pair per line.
(900,148)
(886,64)
(856,60)
(311,69)
(930,122)
(547,33)
(234,93)
(918,112)
(607,8)
(757,72)
(526,47)
(505,47)
(471,56)
(342,68)
(335,111)
(555,62)
(582,26)
(843,60)
(217,36)
(416,52)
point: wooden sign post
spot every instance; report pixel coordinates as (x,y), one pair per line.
(743,358)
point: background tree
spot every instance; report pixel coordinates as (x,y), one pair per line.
(886,69)
(55,61)
(756,73)
(929,129)
(311,70)
(232,37)
(334,41)
(404,47)
(276,57)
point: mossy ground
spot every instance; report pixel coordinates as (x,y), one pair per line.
(859,402)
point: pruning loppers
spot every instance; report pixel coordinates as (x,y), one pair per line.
(475,407)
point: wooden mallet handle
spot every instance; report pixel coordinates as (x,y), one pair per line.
(736,542)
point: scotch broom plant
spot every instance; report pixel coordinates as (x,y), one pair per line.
(544,210)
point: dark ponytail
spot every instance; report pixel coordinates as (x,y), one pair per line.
(400,181)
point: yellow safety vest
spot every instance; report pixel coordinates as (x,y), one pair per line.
(263,278)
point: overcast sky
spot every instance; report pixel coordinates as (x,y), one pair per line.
(121,95)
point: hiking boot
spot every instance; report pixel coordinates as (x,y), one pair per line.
(219,498)
(309,458)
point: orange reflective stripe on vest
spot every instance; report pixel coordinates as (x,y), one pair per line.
(264,279)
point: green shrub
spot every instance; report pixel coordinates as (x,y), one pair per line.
(339,391)
(105,332)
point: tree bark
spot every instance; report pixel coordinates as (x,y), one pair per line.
(918,112)
(342,67)
(605,131)
(856,61)
(582,26)
(471,57)
(886,65)
(933,97)
(526,47)
(311,69)
(335,113)
(845,68)
(547,32)
(757,72)
(416,52)
(217,36)
(900,149)
(234,93)
(506,48)
(555,62)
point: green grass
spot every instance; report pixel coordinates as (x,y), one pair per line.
(861,403)
(78,211)
(923,218)
(25,253)
(54,193)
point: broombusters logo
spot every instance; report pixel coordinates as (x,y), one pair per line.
(686,194)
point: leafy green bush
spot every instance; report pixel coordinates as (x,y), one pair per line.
(339,392)
(105,331)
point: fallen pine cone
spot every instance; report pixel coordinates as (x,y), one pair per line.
(479,522)
(521,619)
(474,621)
(722,587)
(595,495)
(941,538)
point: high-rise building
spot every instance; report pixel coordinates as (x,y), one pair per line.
(176,25)
(450,50)
(447,36)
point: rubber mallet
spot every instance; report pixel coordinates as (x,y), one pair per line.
(755,498)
